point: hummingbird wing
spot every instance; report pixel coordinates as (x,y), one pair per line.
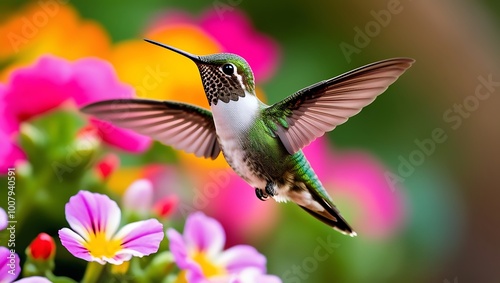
(309,113)
(183,126)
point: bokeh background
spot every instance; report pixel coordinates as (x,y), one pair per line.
(439,222)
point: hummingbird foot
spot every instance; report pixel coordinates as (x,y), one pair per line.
(270,190)
(261,195)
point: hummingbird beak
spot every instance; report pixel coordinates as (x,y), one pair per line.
(195,58)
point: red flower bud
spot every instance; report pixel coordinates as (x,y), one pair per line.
(107,165)
(42,247)
(166,206)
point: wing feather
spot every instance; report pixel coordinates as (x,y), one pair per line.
(183,126)
(321,107)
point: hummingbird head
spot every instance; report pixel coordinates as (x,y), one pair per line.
(225,76)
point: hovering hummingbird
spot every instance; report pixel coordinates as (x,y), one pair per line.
(261,143)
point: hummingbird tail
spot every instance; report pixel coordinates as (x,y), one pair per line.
(332,218)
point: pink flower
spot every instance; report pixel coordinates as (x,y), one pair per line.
(235,33)
(94,219)
(358,179)
(9,152)
(199,251)
(9,265)
(52,81)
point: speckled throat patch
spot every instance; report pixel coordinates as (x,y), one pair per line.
(218,86)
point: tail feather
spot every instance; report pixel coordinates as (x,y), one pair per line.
(310,195)
(333,219)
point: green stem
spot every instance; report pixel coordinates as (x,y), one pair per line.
(93,272)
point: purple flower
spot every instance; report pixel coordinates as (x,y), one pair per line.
(94,219)
(199,252)
(34,279)
(9,265)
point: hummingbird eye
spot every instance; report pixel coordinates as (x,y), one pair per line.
(228,69)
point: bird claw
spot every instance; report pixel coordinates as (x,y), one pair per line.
(261,195)
(270,189)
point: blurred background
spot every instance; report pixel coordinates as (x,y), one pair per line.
(416,173)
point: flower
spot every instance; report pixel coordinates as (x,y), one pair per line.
(142,198)
(139,197)
(59,81)
(42,247)
(359,179)
(10,152)
(48,27)
(3,219)
(165,206)
(94,219)
(34,279)
(253,275)
(9,265)
(199,252)
(107,165)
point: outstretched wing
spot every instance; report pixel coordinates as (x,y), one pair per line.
(180,125)
(319,108)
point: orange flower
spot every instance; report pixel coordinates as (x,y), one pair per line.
(49,27)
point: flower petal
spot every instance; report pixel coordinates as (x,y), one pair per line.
(9,123)
(181,256)
(253,275)
(94,80)
(88,211)
(204,234)
(3,219)
(10,153)
(141,238)
(178,248)
(47,78)
(34,279)
(237,258)
(121,138)
(9,265)
(139,197)
(74,244)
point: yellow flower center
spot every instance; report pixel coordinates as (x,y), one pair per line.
(208,268)
(99,246)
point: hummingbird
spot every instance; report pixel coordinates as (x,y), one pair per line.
(261,143)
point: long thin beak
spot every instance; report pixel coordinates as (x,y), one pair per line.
(195,58)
